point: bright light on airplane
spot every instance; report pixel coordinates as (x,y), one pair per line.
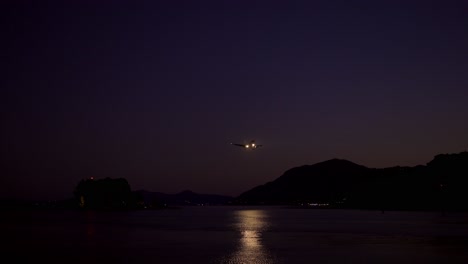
(251,145)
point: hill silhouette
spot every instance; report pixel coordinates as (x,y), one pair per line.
(441,184)
(187,197)
(329,180)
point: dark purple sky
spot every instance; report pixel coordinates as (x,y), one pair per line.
(155,91)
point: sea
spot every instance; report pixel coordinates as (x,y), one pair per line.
(234,234)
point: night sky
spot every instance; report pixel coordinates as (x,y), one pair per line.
(156,91)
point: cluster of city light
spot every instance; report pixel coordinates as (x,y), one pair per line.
(318,204)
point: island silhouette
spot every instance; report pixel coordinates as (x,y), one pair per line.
(440,184)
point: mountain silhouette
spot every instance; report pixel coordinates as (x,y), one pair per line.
(328,180)
(441,184)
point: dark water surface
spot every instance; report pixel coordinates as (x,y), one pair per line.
(234,235)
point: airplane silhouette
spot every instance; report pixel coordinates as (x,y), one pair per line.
(251,145)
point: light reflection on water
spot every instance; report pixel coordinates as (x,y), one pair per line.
(213,235)
(251,225)
(90,225)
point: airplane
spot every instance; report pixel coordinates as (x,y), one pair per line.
(251,145)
